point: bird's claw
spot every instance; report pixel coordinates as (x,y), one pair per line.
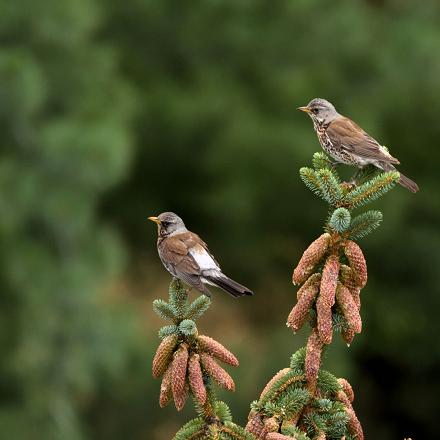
(349,185)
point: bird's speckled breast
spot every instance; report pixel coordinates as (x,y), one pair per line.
(335,151)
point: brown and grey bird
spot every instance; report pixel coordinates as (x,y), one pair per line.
(186,256)
(348,143)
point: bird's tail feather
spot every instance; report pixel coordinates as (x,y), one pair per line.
(228,285)
(406,182)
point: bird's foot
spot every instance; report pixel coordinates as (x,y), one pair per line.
(349,186)
(188,289)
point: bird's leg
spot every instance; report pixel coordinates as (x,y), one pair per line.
(188,289)
(334,164)
(353,180)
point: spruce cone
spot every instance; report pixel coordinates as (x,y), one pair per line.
(300,311)
(165,388)
(354,426)
(347,277)
(311,258)
(321,436)
(313,359)
(214,348)
(343,398)
(349,308)
(179,367)
(313,279)
(348,280)
(255,426)
(164,354)
(181,399)
(217,372)
(271,424)
(326,298)
(348,335)
(272,381)
(196,379)
(346,388)
(357,262)
(277,436)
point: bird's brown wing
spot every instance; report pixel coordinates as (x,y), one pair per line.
(175,252)
(193,240)
(349,136)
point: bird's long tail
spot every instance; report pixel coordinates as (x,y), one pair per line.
(408,183)
(228,285)
(404,181)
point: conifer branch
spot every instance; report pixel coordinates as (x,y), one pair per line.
(302,401)
(188,364)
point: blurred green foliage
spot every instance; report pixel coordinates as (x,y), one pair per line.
(111,111)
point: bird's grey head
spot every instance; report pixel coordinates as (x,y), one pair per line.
(321,111)
(168,223)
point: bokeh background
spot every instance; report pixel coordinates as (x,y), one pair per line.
(114,110)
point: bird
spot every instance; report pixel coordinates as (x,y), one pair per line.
(187,257)
(348,143)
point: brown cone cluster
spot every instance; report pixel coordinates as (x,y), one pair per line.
(183,365)
(346,397)
(265,427)
(326,282)
(328,287)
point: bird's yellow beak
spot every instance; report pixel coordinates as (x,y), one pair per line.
(304,109)
(154,219)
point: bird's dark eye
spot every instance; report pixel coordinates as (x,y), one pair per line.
(165,224)
(315,110)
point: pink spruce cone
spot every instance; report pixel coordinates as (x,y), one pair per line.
(164,355)
(272,381)
(255,426)
(271,424)
(349,308)
(348,335)
(217,372)
(357,262)
(354,426)
(315,278)
(321,436)
(310,258)
(348,280)
(277,436)
(326,298)
(165,388)
(195,377)
(346,388)
(217,350)
(300,311)
(179,367)
(313,359)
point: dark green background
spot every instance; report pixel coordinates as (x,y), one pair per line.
(111,111)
